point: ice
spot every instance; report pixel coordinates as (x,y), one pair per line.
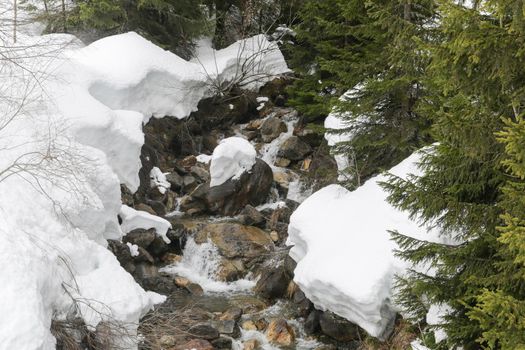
(341,243)
(231,158)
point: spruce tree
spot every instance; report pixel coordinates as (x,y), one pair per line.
(477,81)
(373,49)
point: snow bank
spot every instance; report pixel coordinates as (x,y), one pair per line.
(230,159)
(63,156)
(341,243)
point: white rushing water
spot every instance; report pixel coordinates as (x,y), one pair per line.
(200,264)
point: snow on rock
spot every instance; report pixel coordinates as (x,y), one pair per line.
(158,180)
(230,159)
(133,219)
(341,243)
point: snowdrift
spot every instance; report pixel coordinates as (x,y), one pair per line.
(65,151)
(341,243)
(230,159)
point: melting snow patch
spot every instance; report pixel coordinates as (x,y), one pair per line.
(133,219)
(158,180)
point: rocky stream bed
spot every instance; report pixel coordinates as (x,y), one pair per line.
(226,273)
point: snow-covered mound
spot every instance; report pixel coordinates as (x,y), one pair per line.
(343,250)
(70,133)
(230,159)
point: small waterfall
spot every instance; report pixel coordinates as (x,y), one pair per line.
(200,264)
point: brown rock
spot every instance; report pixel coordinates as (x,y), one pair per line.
(280,332)
(146,208)
(249,325)
(252,344)
(182,281)
(188,162)
(271,128)
(236,241)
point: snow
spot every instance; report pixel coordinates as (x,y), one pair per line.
(133,249)
(133,219)
(230,159)
(416,345)
(203,158)
(158,180)
(435,317)
(341,243)
(79,136)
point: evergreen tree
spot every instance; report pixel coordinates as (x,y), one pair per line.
(171,24)
(477,77)
(374,50)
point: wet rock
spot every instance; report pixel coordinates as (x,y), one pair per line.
(176,181)
(254,125)
(229,198)
(146,208)
(235,240)
(171,258)
(289,265)
(294,149)
(194,288)
(182,282)
(252,344)
(279,332)
(228,327)
(282,162)
(196,344)
(261,324)
(271,128)
(189,183)
(233,313)
(252,217)
(311,324)
(158,207)
(274,235)
(249,325)
(337,327)
(143,256)
(273,283)
(204,331)
(231,270)
(223,343)
(141,237)
(302,303)
(201,174)
(159,283)
(158,247)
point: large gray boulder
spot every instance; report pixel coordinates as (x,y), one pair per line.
(232,196)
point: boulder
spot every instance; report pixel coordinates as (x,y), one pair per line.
(273,283)
(252,217)
(176,181)
(311,324)
(141,237)
(271,128)
(204,331)
(228,327)
(146,208)
(232,196)
(279,332)
(294,149)
(230,270)
(236,241)
(337,327)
